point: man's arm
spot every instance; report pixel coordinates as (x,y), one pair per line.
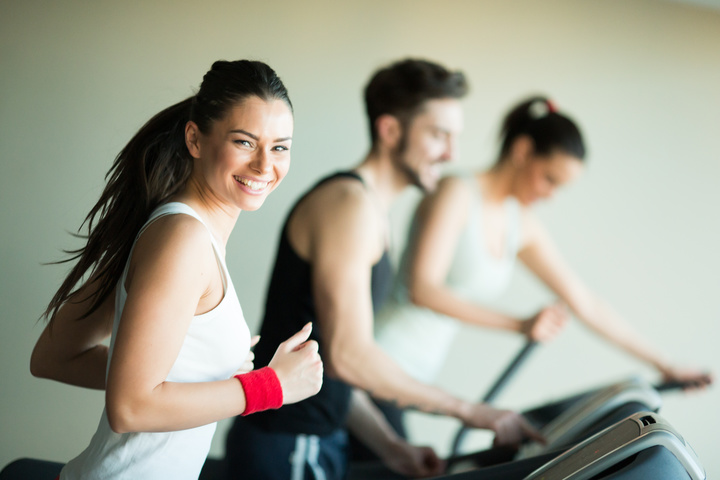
(347,239)
(368,424)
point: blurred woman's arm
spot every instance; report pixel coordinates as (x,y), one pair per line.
(541,256)
(440,220)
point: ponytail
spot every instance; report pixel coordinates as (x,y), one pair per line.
(550,130)
(153,166)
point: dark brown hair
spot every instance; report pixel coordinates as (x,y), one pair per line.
(550,130)
(402,88)
(152,167)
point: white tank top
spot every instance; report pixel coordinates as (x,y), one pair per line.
(418,338)
(215,346)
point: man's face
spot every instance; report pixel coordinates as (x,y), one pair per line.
(429,139)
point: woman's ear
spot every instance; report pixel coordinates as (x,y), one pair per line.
(389,131)
(192,139)
(521,150)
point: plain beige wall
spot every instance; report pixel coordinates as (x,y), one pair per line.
(641,226)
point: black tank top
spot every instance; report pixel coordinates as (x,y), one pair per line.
(289,305)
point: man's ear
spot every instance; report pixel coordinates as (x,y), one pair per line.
(521,150)
(192,139)
(389,131)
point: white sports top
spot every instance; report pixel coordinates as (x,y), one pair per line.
(215,346)
(418,338)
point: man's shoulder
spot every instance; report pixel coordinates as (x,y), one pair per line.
(340,185)
(337,216)
(344,196)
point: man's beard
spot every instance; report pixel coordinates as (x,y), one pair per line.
(411,174)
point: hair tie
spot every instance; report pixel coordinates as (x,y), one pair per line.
(541,108)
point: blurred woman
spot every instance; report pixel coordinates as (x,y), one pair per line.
(467,236)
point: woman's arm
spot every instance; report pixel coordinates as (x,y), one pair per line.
(71,349)
(173,276)
(541,256)
(440,220)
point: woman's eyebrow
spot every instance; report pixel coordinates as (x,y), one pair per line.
(254,137)
(244,132)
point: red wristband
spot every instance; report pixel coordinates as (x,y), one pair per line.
(262,390)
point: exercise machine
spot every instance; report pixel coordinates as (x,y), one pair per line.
(567,421)
(642,446)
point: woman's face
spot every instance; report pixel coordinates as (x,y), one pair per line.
(540,176)
(246,154)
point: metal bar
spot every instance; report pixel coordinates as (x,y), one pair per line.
(496,388)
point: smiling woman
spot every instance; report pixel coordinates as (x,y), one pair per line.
(158,285)
(251,151)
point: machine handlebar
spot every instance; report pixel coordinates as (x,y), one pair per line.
(496,388)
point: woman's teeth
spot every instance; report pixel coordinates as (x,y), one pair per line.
(252,183)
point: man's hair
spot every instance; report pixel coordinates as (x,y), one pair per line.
(401,90)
